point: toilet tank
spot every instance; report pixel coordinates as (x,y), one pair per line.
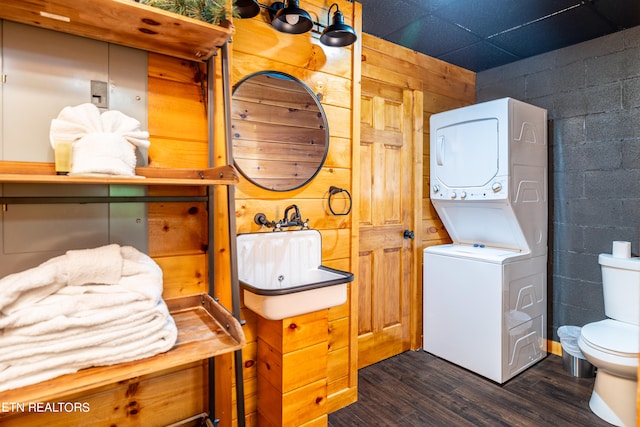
(621,287)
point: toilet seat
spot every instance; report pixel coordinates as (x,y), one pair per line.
(613,337)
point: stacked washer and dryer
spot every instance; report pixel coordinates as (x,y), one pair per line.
(485,297)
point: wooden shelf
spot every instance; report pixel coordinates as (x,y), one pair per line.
(44,173)
(123,22)
(205,330)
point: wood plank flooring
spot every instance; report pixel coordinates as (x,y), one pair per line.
(417,389)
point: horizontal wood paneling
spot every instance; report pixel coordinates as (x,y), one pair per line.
(263,48)
(183,275)
(191,152)
(337,368)
(181,71)
(339,154)
(317,189)
(338,334)
(149,400)
(177,228)
(183,110)
(328,73)
(438,77)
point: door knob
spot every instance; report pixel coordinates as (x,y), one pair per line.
(408,234)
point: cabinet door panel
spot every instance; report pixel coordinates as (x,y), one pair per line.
(45,72)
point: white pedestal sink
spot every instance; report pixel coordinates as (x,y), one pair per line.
(282,276)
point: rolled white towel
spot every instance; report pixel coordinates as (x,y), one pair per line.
(103,153)
(73,123)
(103,144)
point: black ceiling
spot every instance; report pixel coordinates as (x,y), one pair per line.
(483,34)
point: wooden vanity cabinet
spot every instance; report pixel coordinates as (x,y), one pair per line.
(292,370)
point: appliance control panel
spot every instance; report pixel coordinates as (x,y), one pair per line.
(494,190)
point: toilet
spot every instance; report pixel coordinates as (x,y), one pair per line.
(612,345)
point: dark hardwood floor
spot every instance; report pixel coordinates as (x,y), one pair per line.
(417,389)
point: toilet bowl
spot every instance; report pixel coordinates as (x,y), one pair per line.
(613,345)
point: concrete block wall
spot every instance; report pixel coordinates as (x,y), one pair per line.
(592,94)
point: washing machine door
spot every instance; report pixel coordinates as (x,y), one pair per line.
(465,154)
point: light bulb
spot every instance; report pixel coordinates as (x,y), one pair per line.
(292,19)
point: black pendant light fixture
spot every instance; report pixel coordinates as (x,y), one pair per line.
(290,18)
(247,8)
(338,33)
(287,17)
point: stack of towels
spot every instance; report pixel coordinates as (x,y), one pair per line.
(91,307)
(103,143)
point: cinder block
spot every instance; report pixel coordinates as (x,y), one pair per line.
(592,94)
(631,93)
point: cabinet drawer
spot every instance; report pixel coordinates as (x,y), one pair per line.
(294,369)
(294,333)
(296,408)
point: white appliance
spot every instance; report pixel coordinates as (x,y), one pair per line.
(485,305)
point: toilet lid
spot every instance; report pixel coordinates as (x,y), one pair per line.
(612,336)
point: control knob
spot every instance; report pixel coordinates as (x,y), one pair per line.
(496,187)
(463,195)
(436,188)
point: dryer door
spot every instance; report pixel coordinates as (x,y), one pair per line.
(465,154)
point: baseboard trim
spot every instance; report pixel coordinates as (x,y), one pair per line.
(554,347)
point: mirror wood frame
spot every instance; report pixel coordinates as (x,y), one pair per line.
(279,129)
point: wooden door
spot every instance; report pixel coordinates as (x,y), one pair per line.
(390,183)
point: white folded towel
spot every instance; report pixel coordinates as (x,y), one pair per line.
(90,307)
(101,265)
(19,349)
(102,143)
(58,358)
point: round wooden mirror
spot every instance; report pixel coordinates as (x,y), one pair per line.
(279,131)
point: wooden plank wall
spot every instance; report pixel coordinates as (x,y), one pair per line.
(327,71)
(178,231)
(444,87)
